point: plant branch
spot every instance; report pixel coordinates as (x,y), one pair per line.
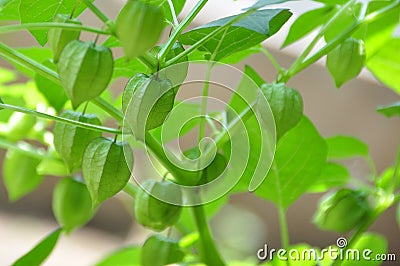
(293,70)
(175,34)
(22,147)
(96,11)
(272,59)
(60,119)
(49,25)
(208,251)
(284,228)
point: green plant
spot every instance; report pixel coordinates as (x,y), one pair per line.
(246,153)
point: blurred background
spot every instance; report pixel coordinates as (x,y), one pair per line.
(348,111)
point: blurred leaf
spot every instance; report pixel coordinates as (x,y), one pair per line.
(308,22)
(44,11)
(111,42)
(9,9)
(243,34)
(332,175)
(343,21)
(254,75)
(262,3)
(386,179)
(385,64)
(127,68)
(54,93)
(19,174)
(299,160)
(40,252)
(332,2)
(390,109)
(51,166)
(379,32)
(344,147)
(346,61)
(374,242)
(72,205)
(127,256)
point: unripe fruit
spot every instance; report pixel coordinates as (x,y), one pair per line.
(85,70)
(154,213)
(286,105)
(138,27)
(167,251)
(58,38)
(341,211)
(147,102)
(70,141)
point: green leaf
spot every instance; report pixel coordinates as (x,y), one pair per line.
(72,205)
(126,256)
(240,56)
(40,252)
(243,34)
(19,174)
(254,75)
(299,160)
(70,141)
(19,126)
(286,105)
(168,251)
(374,242)
(295,256)
(54,93)
(308,22)
(346,61)
(345,147)
(1,101)
(127,68)
(385,64)
(390,109)
(44,11)
(106,168)
(9,10)
(332,175)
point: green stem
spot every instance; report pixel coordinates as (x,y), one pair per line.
(208,251)
(96,11)
(272,59)
(109,109)
(60,119)
(284,228)
(49,25)
(203,111)
(22,147)
(207,37)
(173,12)
(175,34)
(130,189)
